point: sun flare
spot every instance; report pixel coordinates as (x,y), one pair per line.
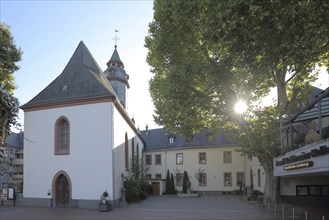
(240,107)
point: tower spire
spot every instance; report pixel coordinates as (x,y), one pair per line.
(116,38)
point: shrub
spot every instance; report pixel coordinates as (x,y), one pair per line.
(185,180)
(133,189)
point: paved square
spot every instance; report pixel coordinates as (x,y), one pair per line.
(160,207)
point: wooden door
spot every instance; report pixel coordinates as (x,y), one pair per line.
(155,188)
(62,191)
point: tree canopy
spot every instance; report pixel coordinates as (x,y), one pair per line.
(207,55)
(10,55)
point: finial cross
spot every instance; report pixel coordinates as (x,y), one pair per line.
(116,38)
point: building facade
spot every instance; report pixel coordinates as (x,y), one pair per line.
(213,163)
(78,137)
(304,165)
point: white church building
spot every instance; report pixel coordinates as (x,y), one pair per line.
(79,139)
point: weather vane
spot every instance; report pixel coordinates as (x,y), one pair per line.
(116,38)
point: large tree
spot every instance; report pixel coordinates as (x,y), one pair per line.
(206,55)
(10,55)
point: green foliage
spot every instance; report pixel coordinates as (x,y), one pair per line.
(133,189)
(206,55)
(172,184)
(136,186)
(138,168)
(9,56)
(168,182)
(185,180)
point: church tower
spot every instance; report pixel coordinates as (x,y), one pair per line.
(117,76)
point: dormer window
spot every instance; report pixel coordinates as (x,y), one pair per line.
(171,140)
(210,138)
(189,139)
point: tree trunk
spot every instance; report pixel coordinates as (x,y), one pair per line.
(272,184)
(281,91)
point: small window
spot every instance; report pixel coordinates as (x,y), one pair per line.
(240,178)
(148,159)
(148,176)
(202,179)
(227,156)
(179,158)
(210,138)
(158,159)
(202,158)
(158,176)
(171,140)
(227,179)
(62,136)
(189,139)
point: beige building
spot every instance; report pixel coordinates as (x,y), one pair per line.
(212,162)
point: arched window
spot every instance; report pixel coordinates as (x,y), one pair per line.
(126,153)
(62,136)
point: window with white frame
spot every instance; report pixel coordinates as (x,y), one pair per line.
(202,179)
(202,158)
(158,159)
(171,140)
(179,158)
(148,159)
(227,179)
(148,176)
(227,156)
(158,176)
(240,178)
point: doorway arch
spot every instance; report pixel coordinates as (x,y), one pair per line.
(62,190)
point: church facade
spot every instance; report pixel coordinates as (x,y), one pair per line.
(79,139)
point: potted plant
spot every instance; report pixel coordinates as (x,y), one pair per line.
(104,204)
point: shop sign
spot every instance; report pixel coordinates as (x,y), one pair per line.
(298,165)
(321,151)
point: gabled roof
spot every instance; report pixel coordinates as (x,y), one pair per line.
(81,79)
(157,139)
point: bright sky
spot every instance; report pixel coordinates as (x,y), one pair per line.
(48,33)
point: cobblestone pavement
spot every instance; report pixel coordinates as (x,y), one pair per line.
(162,207)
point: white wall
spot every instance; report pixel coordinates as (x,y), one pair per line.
(89,162)
(121,127)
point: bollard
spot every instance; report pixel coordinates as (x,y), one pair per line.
(274,209)
(282,212)
(323,217)
(306,215)
(268,207)
(293,213)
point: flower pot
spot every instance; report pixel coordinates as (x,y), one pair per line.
(104,207)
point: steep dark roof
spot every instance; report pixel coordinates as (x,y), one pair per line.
(115,58)
(157,139)
(81,79)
